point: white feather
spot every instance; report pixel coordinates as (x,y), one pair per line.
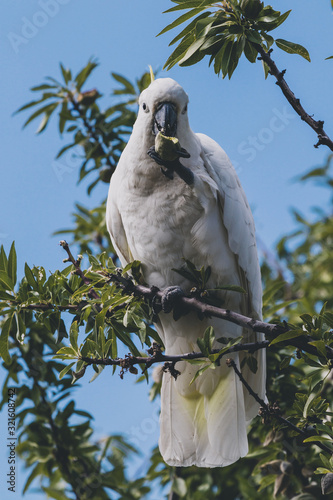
(160,222)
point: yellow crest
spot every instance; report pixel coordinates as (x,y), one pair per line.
(152,76)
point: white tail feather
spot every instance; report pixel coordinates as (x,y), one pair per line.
(203,423)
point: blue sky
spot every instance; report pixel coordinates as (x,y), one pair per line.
(248,116)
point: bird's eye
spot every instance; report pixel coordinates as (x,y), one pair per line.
(184,110)
(145,107)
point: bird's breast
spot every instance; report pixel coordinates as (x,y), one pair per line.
(158,221)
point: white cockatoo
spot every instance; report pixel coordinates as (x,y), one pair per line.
(196,211)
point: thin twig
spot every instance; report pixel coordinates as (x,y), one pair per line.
(159,357)
(78,270)
(316,125)
(273,410)
(92,132)
(47,306)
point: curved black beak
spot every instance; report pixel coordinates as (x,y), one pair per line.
(165,119)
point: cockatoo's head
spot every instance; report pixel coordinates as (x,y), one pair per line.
(163,108)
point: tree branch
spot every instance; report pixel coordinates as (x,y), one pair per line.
(269,410)
(92,131)
(316,125)
(159,357)
(207,310)
(78,270)
(189,303)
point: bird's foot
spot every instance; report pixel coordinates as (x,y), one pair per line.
(169,298)
(155,301)
(172,166)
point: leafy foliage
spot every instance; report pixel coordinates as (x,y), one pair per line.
(98,137)
(225,32)
(55,438)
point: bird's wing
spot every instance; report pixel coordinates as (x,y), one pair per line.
(236,216)
(115,224)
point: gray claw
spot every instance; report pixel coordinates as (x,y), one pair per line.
(169,297)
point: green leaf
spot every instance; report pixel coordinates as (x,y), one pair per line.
(100,318)
(125,338)
(179,486)
(209,338)
(271,22)
(253,36)
(310,361)
(328,318)
(21,328)
(30,104)
(45,120)
(313,439)
(73,336)
(189,27)
(4,352)
(12,264)
(280,305)
(6,296)
(270,291)
(30,277)
(194,361)
(330,57)
(66,352)
(266,68)
(267,481)
(181,20)
(292,48)
(99,369)
(48,109)
(63,116)
(191,51)
(285,362)
(325,460)
(184,272)
(179,51)
(66,73)
(3,260)
(269,39)
(66,370)
(126,83)
(252,363)
(35,472)
(187,4)
(44,86)
(226,58)
(199,372)
(107,347)
(250,52)
(82,76)
(6,282)
(101,340)
(202,346)
(54,493)
(320,346)
(291,334)
(321,470)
